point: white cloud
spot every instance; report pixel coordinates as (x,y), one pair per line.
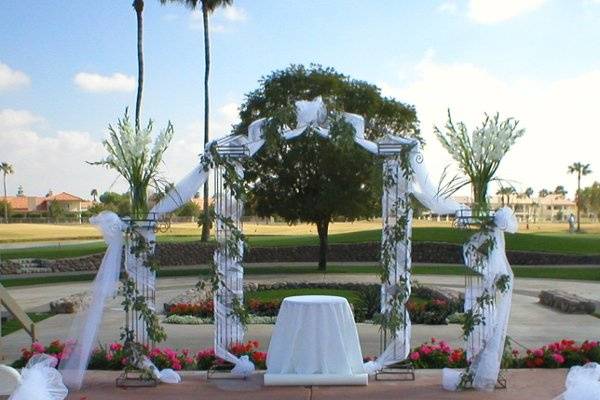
(448,6)
(183,153)
(14,119)
(559,116)
(57,160)
(117,82)
(233,13)
(222,20)
(12,78)
(493,11)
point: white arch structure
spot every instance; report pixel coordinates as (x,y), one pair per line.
(402,163)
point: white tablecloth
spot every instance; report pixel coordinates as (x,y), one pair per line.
(315,337)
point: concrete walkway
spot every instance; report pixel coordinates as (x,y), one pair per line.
(531,324)
(522,385)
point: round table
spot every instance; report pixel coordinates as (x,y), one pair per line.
(315,342)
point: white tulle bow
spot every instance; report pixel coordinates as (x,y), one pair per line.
(40,380)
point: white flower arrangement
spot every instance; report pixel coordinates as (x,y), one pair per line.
(129,154)
(479,155)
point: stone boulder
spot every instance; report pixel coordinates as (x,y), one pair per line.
(71,304)
(566,302)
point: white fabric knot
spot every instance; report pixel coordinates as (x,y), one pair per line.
(450,379)
(310,112)
(372,367)
(40,380)
(110,224)
(583,383)
(505,220)
(243,367)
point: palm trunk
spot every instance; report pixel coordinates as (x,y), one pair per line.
(138,5)
(323,229)
(206,222)
(578,201)
(5,201)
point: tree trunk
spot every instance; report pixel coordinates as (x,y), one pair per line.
(323,229)
(578,201)
(138,5)
(206,222)
(5,202)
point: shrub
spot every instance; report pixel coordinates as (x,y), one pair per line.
(437,354)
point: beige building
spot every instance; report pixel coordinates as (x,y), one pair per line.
(554,207)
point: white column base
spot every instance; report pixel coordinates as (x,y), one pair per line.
(316,380)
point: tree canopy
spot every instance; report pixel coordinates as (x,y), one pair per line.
(311,179)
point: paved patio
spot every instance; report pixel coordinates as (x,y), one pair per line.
(522,385)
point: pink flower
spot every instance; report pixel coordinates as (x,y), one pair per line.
(109,357)
(558,358)
(415,356)
(538,353)
(425,350)
(37,347)
(116,346)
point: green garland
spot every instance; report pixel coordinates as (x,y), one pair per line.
(479,252)
(211,159)
(134,301)
(395,318)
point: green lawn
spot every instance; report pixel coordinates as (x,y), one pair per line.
(13,325)
(279,294)
(548,242)
(571,273)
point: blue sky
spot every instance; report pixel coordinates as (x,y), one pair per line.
(67,69)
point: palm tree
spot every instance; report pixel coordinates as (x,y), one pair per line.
(6,169)
(208,6)
(138,6)
(506,191)
(94,194)
(581,170)
(528,192)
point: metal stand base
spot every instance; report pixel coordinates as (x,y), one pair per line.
(136,378)
(222,371)
(401,371)
(501,383)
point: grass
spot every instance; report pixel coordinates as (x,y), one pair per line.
(279,294)
(550,242)
(569,273)
(13,325)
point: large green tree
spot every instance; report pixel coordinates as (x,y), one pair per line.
(312,179)
(590,198)
(6,169)
(580,169)
(207,6)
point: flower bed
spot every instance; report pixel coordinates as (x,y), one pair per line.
(433,354)
(421,310)
(112,356)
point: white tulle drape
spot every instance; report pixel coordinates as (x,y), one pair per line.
(40,380)
(395,205)
(583,383)
(427,192)
(84,330)
(485,353)
(228,328)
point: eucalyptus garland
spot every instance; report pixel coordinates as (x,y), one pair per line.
(477,252)
(134,301)
(211,159)
(393,235)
